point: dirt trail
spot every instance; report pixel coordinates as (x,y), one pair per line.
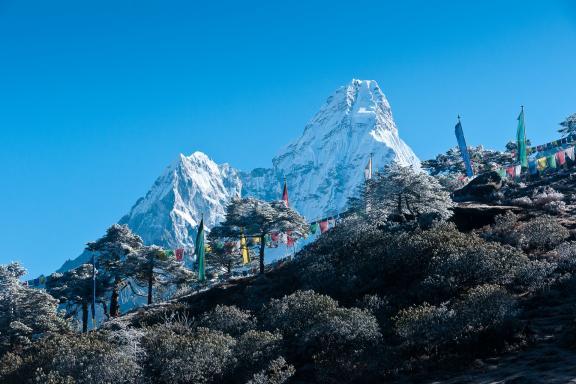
(546,359)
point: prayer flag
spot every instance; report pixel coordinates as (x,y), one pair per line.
(551,160)
(518,170)
(199,250)
(463,148)
(323,226)
(561,157)
(290,241)
(368,170)
(510,171)
(42,279)
(314,228)
(285,193)
(570,153)
(532,167)
(244,248)
(521,139)
(541,163)
(180,254)
(169,253)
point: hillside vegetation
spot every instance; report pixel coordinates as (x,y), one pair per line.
(395,292)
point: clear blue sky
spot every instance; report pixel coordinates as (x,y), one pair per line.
(96,98)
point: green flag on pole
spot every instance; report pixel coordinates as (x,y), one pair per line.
(521,139)
(199,251)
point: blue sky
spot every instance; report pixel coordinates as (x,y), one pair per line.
(96,98)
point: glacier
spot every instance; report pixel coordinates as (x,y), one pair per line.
(323,168)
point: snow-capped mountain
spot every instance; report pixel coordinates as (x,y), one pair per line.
(323,167)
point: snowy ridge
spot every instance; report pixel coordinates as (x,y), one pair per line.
(323,168)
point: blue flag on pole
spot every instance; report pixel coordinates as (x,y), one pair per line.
(463,148)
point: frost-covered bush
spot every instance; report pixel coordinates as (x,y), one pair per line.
(430,327)
(544,195)
(186,356)
(459,266)
(505,230)
(255,349)
(543,232)
(523,201)
(426,325)
(566,256)
(228,319)
(340,339)
(81,359)
(555,207)
(536,275)
(277,372)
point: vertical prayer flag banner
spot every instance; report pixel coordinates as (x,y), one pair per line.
(244,248)
(463,148)
(368,170)
(521,140)
(285,193)
(199,250)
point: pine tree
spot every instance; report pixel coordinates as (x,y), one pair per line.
(75,288)
(25,313)
(568,125)
(258,219)
(112,249)
(150,266)
(406,193)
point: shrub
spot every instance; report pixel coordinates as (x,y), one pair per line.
(228,319)
(566,257)
(255,349)
(278,372)
(429,327)
(185,356)
(544,232)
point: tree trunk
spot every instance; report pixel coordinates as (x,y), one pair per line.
(262,246)
(114,305)
(400,204)
(150,284)
(84,316)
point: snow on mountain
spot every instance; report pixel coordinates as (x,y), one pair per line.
(191,187)
(323,168)
(326,164)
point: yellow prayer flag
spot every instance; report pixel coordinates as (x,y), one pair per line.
(541,163)
(244,248)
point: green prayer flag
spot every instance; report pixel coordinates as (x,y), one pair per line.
(314,228)
(199,250)
(551,160)
(521,140)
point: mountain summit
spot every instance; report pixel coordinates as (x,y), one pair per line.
(323,168)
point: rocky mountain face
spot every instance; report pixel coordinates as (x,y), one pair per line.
(323,167)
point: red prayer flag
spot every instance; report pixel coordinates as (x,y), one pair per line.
(323,226)
(511,171)
(561,156)
(179,254)
(285,194)
(274,236)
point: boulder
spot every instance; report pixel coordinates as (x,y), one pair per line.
(483,188)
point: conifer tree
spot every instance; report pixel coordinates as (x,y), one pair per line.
(25,313)
(259,218)
(150,266)
(75,289)
(113,248)
(568,125)
(406,193)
